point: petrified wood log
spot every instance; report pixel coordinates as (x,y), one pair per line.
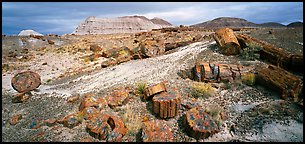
(157,88)
(227,41)
(156,131)
(26,81)
(209,72)
(166,104)
(274,55)
(151,47)
(199,124)
(279,80)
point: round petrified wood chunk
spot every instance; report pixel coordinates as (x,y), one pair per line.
(26,81)
(199,124)
(156,131)
(157,88)
(166,104)
(106,126)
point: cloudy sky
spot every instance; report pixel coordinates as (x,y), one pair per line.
(64,17)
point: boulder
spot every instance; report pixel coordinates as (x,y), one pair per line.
(26,81)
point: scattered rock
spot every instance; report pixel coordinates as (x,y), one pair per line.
(26,81)
(51,42)
(117,98)
(14,120)
(156,131)
(50,122)
(45,63)
(95,48)
(73,98)
(20,98)
(71,120)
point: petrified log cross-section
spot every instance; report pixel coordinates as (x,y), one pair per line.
(199,124)
(26,81)
(274,55)
(166,104)
(279,80)
(151,91)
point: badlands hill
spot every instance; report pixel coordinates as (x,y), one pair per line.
(226,22)
(241,23)
(29,32)
(126,24)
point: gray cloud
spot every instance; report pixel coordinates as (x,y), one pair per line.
(63,17)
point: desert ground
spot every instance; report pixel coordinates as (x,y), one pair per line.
(252,113)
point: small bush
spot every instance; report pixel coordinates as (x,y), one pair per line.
(140,88)
(216,112)
(248,79)
(200,89)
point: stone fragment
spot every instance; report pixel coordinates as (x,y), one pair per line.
(89,100)
(51,42)
(152,90)
(106,126)
(95,48)
(199,124)
(117,98)
(73,98)
(227,41)
(71,120)
(151,47)
(109,62)
(20,98)
(50,122)
(26,81)
(166,104)
(156,131)
(14,120)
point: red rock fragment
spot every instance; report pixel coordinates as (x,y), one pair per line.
(106,126)
(156,131)
(14,120)
(118,98)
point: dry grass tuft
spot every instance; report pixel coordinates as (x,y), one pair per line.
(132,121)
(201,89)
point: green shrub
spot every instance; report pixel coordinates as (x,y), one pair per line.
(201,89)
(140,88)
(248,79)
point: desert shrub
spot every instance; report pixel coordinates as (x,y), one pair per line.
(251,52)
(216,112)
(201,89)
(248,79)
(132,121)
(140,88)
